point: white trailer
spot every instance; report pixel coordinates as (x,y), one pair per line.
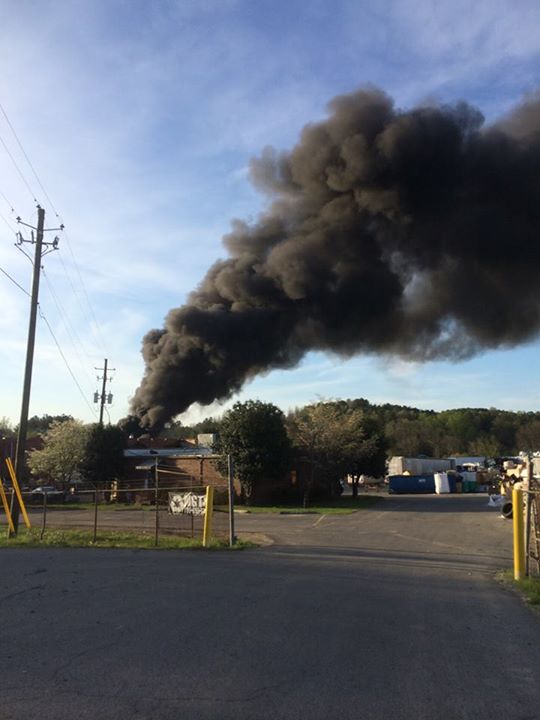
(398,465)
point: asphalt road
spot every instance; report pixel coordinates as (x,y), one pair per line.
(389,613)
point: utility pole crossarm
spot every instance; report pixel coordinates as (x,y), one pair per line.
(103,397)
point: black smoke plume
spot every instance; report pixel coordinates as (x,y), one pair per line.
(411,233)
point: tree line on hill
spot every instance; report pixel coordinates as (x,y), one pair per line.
(332,438)
(411,432)
(350,437)
(406,430)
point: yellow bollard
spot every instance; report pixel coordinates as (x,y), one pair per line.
(208,515)
(6,507)
(519,535)
(18,492)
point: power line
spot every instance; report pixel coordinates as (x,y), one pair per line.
(17,168)
(7,202)
(14,282)
(97,332)
(9,225)
(72,333)
(82,306)
(28,159)
(42,316)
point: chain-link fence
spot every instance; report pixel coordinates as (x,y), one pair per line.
(531,503)
(169,502)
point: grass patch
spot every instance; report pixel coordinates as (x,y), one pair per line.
(90,506)
(110,539)
(529,587)
(342,506)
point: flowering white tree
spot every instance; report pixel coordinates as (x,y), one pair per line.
(63,452)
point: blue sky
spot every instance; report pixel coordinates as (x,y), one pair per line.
(140,119)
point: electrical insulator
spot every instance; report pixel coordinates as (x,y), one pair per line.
(96,397)
(109,398)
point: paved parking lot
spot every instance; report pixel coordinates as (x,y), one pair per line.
(390,612)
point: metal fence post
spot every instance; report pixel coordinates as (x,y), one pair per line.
(156,499)
(519,539)
(528,513)
(95,512)
(44,517)
(230,467)
(207,532)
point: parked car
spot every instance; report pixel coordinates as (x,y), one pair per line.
(53,495)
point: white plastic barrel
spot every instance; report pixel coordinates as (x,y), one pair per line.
(442,485)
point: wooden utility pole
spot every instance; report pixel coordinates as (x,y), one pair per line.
(230,473)
(23,423)
(103,388)
(103,397)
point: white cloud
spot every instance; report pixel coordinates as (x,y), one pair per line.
(140,119)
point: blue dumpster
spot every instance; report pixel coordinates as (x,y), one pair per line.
(411,483)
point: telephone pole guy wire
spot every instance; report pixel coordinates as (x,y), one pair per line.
(14,281)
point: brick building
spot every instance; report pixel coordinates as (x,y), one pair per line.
(185,465)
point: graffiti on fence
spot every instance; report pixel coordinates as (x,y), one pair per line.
(186,503)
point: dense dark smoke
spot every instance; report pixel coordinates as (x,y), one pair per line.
(408,233)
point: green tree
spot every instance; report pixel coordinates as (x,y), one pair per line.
(464,425)
(503,430)
(63,452)
(337,440)
(176,431)
(208,425)
(6,427)
(254,434)
(407,436)
(103,457)
(528,436)
(39,424)
(486,445)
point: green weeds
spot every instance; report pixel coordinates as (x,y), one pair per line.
(342,506)
(529,587)
(109,539)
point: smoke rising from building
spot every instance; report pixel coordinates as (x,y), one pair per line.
(411,233)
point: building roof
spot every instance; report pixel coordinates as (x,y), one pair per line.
(178,452)
(149,458)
